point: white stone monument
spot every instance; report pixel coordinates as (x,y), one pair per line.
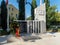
(40,14)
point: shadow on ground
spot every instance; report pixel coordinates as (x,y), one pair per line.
(3,40)
(30,37)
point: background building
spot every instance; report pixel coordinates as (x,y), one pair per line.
(13,12)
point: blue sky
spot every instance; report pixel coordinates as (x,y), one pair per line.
(57,3)
(28,13)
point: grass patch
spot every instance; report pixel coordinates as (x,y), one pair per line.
(49,30)
(59,30)
(52,30)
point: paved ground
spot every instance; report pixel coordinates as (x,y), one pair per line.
(45,39)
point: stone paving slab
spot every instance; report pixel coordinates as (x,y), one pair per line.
(50,40)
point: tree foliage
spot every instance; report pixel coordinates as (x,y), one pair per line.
(47,2)
(50,14)
(0,9)
(34,5)
(22,14)
(21,9)
(29,18)
(3,15)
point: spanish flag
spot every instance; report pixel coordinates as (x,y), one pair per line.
(6,2)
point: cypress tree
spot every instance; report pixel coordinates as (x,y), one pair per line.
(3,15)
(34,5)
(47,3)
(21,9)
(50,14)
(22,14)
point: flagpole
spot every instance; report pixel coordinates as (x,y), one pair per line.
(7,15)
(40,2)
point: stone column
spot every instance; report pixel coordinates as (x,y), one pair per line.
(38,26)
(27,26)
(8,19)
(41,26)
(33,26)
